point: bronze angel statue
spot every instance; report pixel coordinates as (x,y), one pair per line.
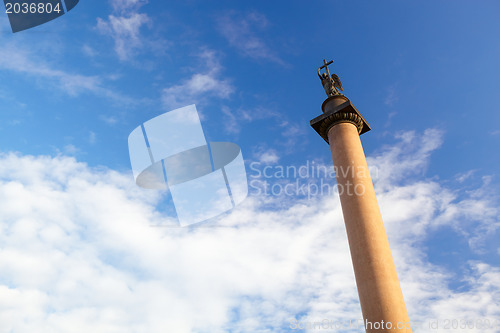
(331,83)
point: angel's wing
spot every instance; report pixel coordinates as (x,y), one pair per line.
(336,82)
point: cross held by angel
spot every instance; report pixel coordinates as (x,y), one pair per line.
(331,83)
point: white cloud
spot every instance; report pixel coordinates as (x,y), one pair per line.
(268,157)
(127,5)
(92,137)
(391,166)
(495,132)
(236,118)
(391,97)
(125,26)
(100,267)
(21,60)
(241,31)
(199,86)
(292,134)
(425,202)
(125,30)
(108,119)
(461,177)
(70,149)
(78,253)
(89,51)
(480,302)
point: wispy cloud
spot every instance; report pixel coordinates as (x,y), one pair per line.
(391,97)
(267,156)
(292,134)
(92,137)
(71,149)
(20,59)
(242,32)
(109,119)
(125,30)
(236,118)
(461,177)
(495,133)
(392,167)
(127,5)
(125,25)
(89,51)
(200,86)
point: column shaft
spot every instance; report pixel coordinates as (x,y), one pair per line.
(376,278)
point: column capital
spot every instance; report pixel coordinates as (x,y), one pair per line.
(338,109)
(337,118)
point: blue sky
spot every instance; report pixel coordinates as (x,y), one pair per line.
(423,74)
